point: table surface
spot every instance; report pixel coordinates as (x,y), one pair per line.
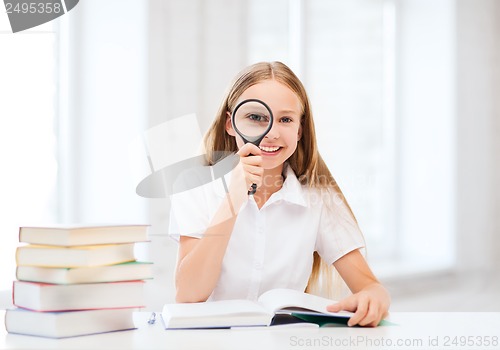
(415,330)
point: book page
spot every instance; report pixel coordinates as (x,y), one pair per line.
(288,300)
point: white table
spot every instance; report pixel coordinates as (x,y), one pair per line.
(412,331)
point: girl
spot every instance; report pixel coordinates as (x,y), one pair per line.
(292,231)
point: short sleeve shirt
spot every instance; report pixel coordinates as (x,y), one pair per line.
(270,247)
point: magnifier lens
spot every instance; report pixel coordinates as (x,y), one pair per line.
(252,120)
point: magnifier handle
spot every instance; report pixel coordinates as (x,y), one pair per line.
(253,189)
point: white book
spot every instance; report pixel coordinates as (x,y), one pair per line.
(65,297)
(76,235)
(79,256)
(129,271)
(69,323)
(238,313)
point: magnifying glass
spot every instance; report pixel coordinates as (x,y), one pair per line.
(252,119)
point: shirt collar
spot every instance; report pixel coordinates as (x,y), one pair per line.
(292,191)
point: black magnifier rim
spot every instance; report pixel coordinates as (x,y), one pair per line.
(252,139)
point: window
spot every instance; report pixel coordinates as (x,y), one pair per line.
(351,86)
(344,53)
(28,135)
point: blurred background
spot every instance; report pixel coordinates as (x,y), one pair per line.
(405,96)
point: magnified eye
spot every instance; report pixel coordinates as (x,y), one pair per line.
(258,117)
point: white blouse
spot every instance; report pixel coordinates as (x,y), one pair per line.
(272,247)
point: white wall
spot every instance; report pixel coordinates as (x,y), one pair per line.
(473,283)
(103,107)
(425,93)
(478,134)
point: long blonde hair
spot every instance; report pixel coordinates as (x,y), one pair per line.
(306,161)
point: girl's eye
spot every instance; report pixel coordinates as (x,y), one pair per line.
(258,118)
(286,120)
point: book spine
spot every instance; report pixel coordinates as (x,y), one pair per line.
(13,287)
(17,256)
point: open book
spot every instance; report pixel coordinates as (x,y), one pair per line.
(237,313)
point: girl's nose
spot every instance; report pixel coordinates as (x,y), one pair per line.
(273,133)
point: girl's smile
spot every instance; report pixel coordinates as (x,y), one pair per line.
(270,150)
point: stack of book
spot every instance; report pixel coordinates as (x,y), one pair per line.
(77,280)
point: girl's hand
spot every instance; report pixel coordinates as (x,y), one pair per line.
(251,163)
(370,306)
